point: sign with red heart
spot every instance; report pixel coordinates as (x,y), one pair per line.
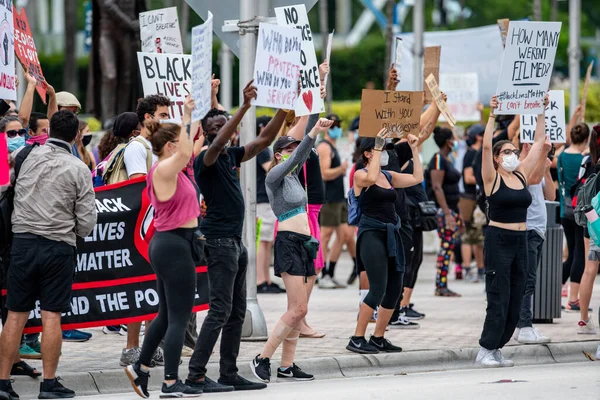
(26,51)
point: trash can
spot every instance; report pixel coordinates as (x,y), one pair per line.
(547,296)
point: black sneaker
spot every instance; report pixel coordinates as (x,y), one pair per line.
(261,368)
(54,390)
(293,373)
(240,383)
(352,277)
(411,306)
(178,390)
(410,314)
(384,345)
(359,344)
(403,323)
(6,390)
(209,386)
(269,288)
(138,379)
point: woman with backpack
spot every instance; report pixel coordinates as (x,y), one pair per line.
(379,246)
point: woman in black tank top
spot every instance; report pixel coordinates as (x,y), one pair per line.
(505,247)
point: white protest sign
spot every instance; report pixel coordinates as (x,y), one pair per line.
(159,31)
(328,55)
(555,120)
(277,66)
(168,75)
(398,57)
(202,67)
(310,101)
(527,66)
(463,95)
(8,77)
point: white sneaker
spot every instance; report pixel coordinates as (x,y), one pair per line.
(503,361)
(586,327)
(326,283)
(598,353)
(516,335)
(338,284)
(530,335)
(486,359)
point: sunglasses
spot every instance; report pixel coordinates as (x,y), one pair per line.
(508,152)
(13,133)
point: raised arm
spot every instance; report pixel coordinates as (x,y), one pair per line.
(405,180)
(52,103)
(432,114)
(392,81)
(488,172)
(513,128)
(540,169)
(301,128)
(27,101)
(426,132)
(266,137)
(214,90)
(362,178)
(529,163)
(549,188)
(573,121)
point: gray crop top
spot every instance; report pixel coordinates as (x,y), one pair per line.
(284,189)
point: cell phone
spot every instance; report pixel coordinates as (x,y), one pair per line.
(4,107)
(552,152)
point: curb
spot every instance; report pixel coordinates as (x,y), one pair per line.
(335,367)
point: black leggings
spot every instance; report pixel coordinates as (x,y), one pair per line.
(171,258)
(385,282)
(574,266)
(413,263)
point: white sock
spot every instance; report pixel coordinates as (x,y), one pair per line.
(363,293)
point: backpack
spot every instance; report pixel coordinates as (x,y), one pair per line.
(115,171)
(354,212)
(585,194)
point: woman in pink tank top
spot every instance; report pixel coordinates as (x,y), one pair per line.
(171,252)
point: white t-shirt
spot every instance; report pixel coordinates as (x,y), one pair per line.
(135,157)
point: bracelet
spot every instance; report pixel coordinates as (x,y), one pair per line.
(378,149)
(493,116)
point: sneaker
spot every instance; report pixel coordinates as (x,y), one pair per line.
(159,358)
(240,383)
(503,361)
(265,288)
(573,307)
(187,352)
(209,386)
(178,390)
(6,390)
(338,284)
(516,334)
(486,359)
(384,345)
(28,353)
(411,306)
(293,373)
(54,390)
(530,335)
(36,346)
(445,292)
(275,286)
(75,336)
(112,330)
(586,327)
(403,323)
(261,368)
(326,283)
(352,277)
(138,379)
(458,271)
(130,357)
(411,314)
(358,344)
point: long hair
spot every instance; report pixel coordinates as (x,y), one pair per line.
(594,145)
(496,150)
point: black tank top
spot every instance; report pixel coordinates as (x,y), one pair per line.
(334,190)
(509,205)
(379,203)
(315,185)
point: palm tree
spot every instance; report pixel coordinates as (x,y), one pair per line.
(70,67)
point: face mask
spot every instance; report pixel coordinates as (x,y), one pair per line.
(15,143)
(385,158)
(40,139)
(335,133)
(455,146)
(356,136)
(86,140)
(510,162)
(284,157)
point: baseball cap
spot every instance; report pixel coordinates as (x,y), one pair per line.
(66,99)
(284,142)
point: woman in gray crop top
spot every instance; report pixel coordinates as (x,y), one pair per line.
(295,251)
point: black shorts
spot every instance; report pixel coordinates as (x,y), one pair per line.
(290,255)
(40,269)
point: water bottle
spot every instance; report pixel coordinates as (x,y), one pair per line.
(593,223)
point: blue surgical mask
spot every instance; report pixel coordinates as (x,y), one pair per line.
(15,143)
(335,133)
(455,146)
(355,135)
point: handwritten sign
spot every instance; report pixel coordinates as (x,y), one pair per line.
(310,101)
(431,65)
(277,66)
(588,75)
(159,31)
(399,112)
(26,51)
(202,67)
(328,56)
(8,78)
(398,56)
(555,120)
(439,100)
(527,66)
(463,95)
(503,26)
(168,75)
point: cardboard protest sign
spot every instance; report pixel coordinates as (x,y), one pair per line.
(169,75)
(310,101)
(277,66)
(26,51)
(8,76)
(431,65)
(328,56)
(159,31)
(555,120)
(202,67)
(463,95)
(527,66)
(399,112)
(439,100)
(588,74)
(503,25)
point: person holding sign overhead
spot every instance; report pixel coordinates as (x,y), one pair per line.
(505,247)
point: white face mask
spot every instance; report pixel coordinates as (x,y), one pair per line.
(385,158)
(510,162)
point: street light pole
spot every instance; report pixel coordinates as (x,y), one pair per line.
(574,52)
(418,29)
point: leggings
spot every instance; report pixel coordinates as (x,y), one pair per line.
(448,241)
(385,281)
(574,266)
(171,259)
(413,263)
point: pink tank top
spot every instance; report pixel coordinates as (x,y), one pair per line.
(179,209)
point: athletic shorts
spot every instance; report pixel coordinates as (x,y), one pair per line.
(290,255)
(334,214)
(40,269)
(268,219)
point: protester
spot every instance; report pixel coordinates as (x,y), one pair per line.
(172,253)
(25,113)
(295,251)
(216,171)
(68,101)
(46,222)
(15,133)
(505,248)
(84,137)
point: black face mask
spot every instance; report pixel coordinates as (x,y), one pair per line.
(86,140)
